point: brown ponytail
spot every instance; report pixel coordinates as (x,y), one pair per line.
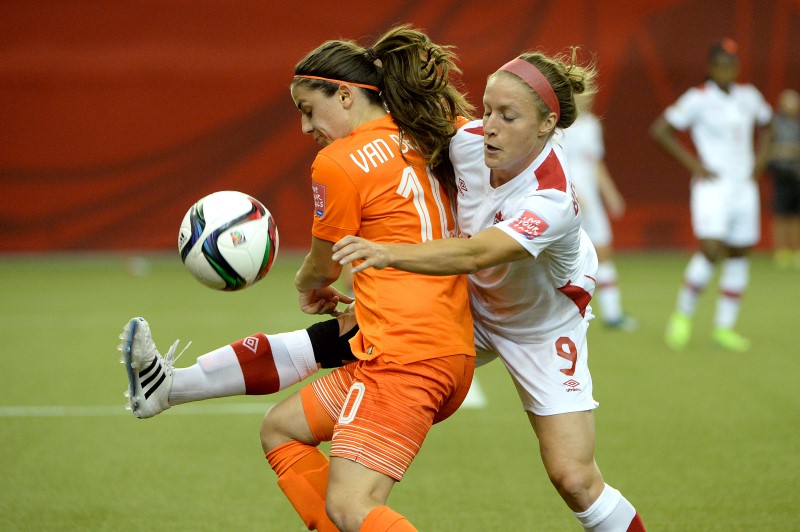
(413,75)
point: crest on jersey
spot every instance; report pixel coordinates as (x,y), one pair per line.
(319,199)
(529,225)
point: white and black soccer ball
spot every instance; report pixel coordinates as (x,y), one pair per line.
(228,240)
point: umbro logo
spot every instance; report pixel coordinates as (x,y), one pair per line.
(462,186)
(572,385)
(251,343)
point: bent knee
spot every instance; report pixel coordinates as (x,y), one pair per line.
(346,513)
(577,484)
(272,431)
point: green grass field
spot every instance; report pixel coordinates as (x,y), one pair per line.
(700,440)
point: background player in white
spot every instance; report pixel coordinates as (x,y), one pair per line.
(599,197)
(722,117)
(532,268)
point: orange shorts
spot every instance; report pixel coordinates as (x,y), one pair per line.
(378,413)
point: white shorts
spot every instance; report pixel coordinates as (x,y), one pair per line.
(725,211)
(594,220)
(551,377)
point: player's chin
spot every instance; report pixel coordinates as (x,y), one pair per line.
(491,156)
(492,160)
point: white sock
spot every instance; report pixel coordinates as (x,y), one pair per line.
(733,282)
(215,374)
(695,280)
(608,294)
(611,512)
(220,373)
(294,356)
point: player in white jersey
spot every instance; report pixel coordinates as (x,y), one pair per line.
(599,197)
(531,269)
(721,116)
(529,306)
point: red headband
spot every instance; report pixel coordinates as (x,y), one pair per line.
(338,82)
(534,77)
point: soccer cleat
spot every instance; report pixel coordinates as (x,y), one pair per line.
(679,329)
(624,324)
(730,340)
(149,373)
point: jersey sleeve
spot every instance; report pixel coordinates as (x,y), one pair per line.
(763,109)
(681,114)
(539,220)
(337,203)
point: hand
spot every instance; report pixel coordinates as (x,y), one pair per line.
(702,173)
(352,248)
(322,301)
(615,205)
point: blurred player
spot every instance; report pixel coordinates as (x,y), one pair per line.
(722,117)
(784,168)
(532,269)
(599,198)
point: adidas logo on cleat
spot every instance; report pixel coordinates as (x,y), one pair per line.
(153,371)
(149,373)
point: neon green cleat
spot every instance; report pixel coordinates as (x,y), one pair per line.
(730,340)
(679,329)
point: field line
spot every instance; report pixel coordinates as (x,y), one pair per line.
(103,411)
(475,399)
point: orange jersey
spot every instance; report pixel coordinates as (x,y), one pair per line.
(367,185)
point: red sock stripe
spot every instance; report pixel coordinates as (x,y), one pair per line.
(732,295)
(693,287)
(258,367)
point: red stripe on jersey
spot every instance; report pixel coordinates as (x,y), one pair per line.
(578,295)
(477,130)
(550,174)
(258,367)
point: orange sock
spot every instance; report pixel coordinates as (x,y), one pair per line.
(303,476)
(384,519)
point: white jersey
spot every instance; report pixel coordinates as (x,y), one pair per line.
(721,126)
(526,300)
(584,148)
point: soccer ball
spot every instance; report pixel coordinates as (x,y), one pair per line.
(228,240)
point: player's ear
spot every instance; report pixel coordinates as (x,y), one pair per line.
(548,124)
(345,96)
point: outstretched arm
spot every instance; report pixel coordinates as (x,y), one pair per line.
(450,256)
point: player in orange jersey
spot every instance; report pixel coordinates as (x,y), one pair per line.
(373,177)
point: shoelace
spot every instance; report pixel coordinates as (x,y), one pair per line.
(169,358)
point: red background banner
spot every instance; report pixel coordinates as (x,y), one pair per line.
(117,116)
